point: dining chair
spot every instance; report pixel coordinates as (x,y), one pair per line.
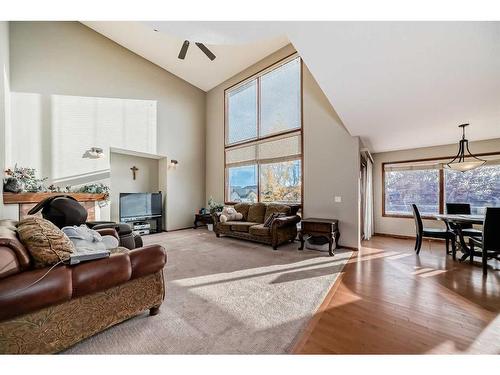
(431,233)
(490,243)
(462,209)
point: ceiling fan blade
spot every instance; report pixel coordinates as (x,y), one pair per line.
(183,51)
(206,51)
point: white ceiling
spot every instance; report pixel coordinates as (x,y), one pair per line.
(234,53)
(397,85)
(402,85)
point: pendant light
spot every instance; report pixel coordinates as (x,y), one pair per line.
(459,163)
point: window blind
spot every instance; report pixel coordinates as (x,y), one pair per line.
(281,148)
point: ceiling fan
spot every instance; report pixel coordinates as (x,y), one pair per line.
(205,50)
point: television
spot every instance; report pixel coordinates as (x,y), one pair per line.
(140,205)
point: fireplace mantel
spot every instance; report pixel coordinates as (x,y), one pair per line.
(23,198)
(26,201)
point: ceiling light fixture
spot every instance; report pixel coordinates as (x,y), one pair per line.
(204,49)
(173,163)
(93,153)
(459,163)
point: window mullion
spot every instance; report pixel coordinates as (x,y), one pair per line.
(258,136)
(441,191)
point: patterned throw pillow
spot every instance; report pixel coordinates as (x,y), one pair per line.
(270,218)
(46,243)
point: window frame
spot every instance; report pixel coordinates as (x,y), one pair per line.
(300,129)
(441,184)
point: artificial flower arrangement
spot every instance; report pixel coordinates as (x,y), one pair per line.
(24,180)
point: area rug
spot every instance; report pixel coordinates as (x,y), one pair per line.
(225,296)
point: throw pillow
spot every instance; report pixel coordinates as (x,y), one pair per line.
(273,217)
(46,243)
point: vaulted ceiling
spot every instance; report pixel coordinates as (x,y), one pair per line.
(397,85)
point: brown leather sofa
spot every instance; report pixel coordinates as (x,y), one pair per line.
(72,303)
(251,227)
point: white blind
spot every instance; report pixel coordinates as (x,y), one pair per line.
(280,148)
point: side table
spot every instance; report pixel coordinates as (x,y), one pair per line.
(204,219)
(327,228)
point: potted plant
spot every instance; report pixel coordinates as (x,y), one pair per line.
(214,208)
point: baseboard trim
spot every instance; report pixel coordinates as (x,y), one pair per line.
(178,229)
(349,247)
(404,237)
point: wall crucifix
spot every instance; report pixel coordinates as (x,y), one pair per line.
(134,170)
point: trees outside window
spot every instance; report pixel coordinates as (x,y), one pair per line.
(430,186)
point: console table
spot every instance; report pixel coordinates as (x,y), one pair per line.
(327,228)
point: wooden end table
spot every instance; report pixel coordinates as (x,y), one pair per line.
(327,228)
(204,219)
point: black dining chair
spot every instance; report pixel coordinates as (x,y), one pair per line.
(422,232)
(462,209)
(490,243)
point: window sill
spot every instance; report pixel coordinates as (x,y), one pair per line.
(396,216)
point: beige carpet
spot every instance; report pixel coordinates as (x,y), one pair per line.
(226,296)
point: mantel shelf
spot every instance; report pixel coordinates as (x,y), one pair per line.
(24,198)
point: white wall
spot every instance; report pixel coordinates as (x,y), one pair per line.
(122,179)
(406,226)
(4,95)
(68,59)
(331,155)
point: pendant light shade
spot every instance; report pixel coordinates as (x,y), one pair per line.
(459,163)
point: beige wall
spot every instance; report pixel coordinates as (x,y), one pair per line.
(404,226)
(67,58)
(331,155)
(4,94)
(122,181)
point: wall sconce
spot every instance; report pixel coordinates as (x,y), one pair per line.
(173,164)
(93,153)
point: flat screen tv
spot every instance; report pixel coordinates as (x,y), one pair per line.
(139,205)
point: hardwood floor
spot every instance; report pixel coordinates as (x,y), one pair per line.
(391,301)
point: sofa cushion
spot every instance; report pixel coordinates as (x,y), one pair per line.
(260,230)
(242,208)
(277,208)
(256,213)
(46,243)
(241,226)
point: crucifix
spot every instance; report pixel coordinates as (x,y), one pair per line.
(134,170)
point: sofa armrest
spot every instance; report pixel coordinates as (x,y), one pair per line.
(147,260)
(285,221)
(108,232)
(216,217)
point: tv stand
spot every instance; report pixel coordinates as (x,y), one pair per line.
(137,224)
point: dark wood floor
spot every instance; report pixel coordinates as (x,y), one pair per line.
(390,300)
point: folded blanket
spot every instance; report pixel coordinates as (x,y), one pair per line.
(87,239)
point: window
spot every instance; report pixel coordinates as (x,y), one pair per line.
(263,141)
(479,187)
(430,186)
(242,119)
(402,188)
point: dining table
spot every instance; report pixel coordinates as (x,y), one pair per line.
(459,220)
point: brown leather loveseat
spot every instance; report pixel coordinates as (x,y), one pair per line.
(72,303)
(251,227)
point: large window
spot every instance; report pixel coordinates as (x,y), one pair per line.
(263,141)
(430,186)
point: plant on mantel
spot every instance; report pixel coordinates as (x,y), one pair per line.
(24,180)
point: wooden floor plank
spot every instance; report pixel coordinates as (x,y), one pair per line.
(391,301)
